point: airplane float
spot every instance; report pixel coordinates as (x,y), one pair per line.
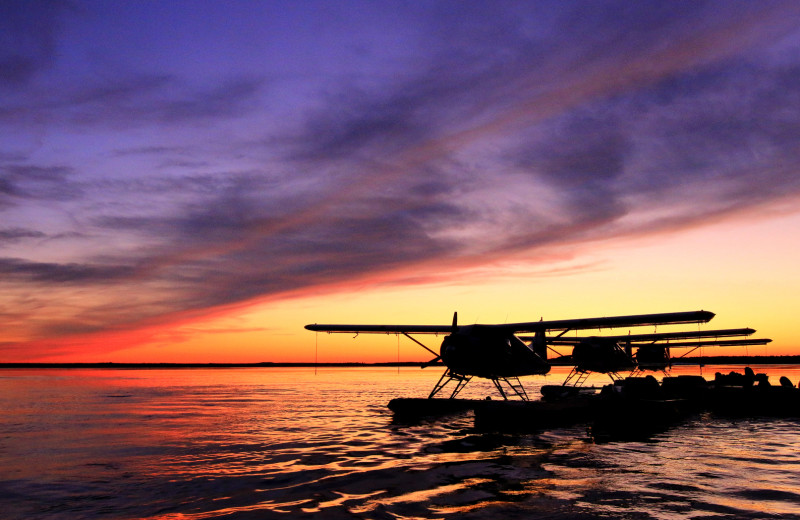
(499,353)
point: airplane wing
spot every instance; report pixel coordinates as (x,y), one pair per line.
(383,329)
(666,318)
(534,326)
(694,345)
(713,343)
(660,336)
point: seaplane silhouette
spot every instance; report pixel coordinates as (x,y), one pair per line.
(640,353)
(498,353)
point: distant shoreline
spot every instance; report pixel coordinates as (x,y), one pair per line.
(265,364)
(709,360)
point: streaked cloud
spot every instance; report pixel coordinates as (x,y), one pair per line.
(445,134)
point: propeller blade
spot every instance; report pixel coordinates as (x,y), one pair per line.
(431,362)
(455,321)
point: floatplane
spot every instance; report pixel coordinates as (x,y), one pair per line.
(630,405)
(502,353)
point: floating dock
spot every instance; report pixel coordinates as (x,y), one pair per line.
(534,415)
(410,407)
(632,405)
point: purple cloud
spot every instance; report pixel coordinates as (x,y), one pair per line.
(30,31)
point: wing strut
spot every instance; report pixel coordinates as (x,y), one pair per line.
(420,344)
(432,361)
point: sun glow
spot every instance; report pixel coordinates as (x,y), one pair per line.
(744,271)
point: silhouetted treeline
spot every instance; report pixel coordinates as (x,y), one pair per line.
(706,360)
(207,365)
(738,360)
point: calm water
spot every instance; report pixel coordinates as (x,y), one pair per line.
(286,443)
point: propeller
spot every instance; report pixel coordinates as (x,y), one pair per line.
(431,362)
(453,330)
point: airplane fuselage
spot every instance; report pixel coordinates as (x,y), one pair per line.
(491,352)
(597,354)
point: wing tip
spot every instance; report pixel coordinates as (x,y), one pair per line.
(706,316)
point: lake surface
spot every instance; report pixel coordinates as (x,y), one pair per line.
(263,443)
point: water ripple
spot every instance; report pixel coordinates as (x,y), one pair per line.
(248,444)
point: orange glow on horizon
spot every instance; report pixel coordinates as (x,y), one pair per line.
(744,271)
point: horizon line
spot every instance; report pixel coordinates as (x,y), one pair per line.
(700,360)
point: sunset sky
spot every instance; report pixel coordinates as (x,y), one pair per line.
(195,181)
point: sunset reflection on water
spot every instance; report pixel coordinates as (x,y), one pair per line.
(264,443)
